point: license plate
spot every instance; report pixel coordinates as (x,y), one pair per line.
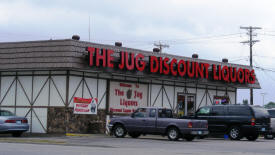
(18,122)
(199,132)
(263,129)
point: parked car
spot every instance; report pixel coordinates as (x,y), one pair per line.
(272,124)
(237,121)
(9,123)
(157,121)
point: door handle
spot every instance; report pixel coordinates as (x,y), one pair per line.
(143,120)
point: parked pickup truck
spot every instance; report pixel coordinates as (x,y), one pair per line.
(157,121)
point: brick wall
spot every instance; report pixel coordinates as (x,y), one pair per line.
(56,122)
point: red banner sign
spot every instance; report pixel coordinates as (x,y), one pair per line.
(85,106)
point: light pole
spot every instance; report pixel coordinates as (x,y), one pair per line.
(263,94)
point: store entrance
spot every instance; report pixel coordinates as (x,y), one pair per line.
(185,104)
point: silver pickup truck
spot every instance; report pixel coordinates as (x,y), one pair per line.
(157,121)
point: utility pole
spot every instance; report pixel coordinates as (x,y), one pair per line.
(89,28)
(161,46)
(263,94)
(251,42)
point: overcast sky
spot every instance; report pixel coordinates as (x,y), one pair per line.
(210,28)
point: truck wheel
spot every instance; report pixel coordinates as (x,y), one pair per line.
(189,137)
(119,131)
(235,133)
(134,134)
(252,137)
(173,134)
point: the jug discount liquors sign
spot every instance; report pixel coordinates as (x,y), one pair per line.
(85,105)
(127,97)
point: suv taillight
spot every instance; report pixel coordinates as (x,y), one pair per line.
(206,125)
(253,121)
(24,121)
(10,121)
(190,124)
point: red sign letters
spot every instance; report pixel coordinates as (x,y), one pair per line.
(169,66)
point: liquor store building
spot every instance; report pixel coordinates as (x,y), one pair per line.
(50,82)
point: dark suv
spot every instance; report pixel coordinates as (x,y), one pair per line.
(237,121)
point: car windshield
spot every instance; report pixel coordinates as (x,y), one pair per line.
(6,113)
(260,112)
(272,113)
(203,111)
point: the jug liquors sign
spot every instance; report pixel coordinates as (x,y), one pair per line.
(127,97)
(85,105)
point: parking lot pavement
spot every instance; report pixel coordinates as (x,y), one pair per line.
(102,144)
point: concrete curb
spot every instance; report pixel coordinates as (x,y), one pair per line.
(33,141)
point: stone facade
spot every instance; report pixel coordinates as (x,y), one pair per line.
(77,123)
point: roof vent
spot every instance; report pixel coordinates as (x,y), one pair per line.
(75,37)
(196,56)
(225,60)
(119,44)
(156,50)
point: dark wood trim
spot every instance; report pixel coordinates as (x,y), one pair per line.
(151,93)
(15,93)
(236,96)
(74,92)
(107,97)
(174,95)
(19,106)
(167,97)
(0,87)
(41,90)
(58,92)
(162,87)
(49,95)
(97,80)
(157,96)
(82,94)
(147,95)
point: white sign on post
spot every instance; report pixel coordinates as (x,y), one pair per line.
(127,97)
(85,106)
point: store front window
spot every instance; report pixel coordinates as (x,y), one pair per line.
(186,104)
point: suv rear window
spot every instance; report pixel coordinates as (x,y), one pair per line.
(260,112)
(271,113)
(239,110)
(219,110)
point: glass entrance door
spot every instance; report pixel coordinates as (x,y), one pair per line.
(186,104)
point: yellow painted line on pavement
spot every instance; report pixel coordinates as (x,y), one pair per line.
(22,140)
(85,135)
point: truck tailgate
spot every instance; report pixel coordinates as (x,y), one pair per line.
(199,123)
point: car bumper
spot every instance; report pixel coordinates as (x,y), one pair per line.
(13,127)
(110,128)
(198,132)
(261,129)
